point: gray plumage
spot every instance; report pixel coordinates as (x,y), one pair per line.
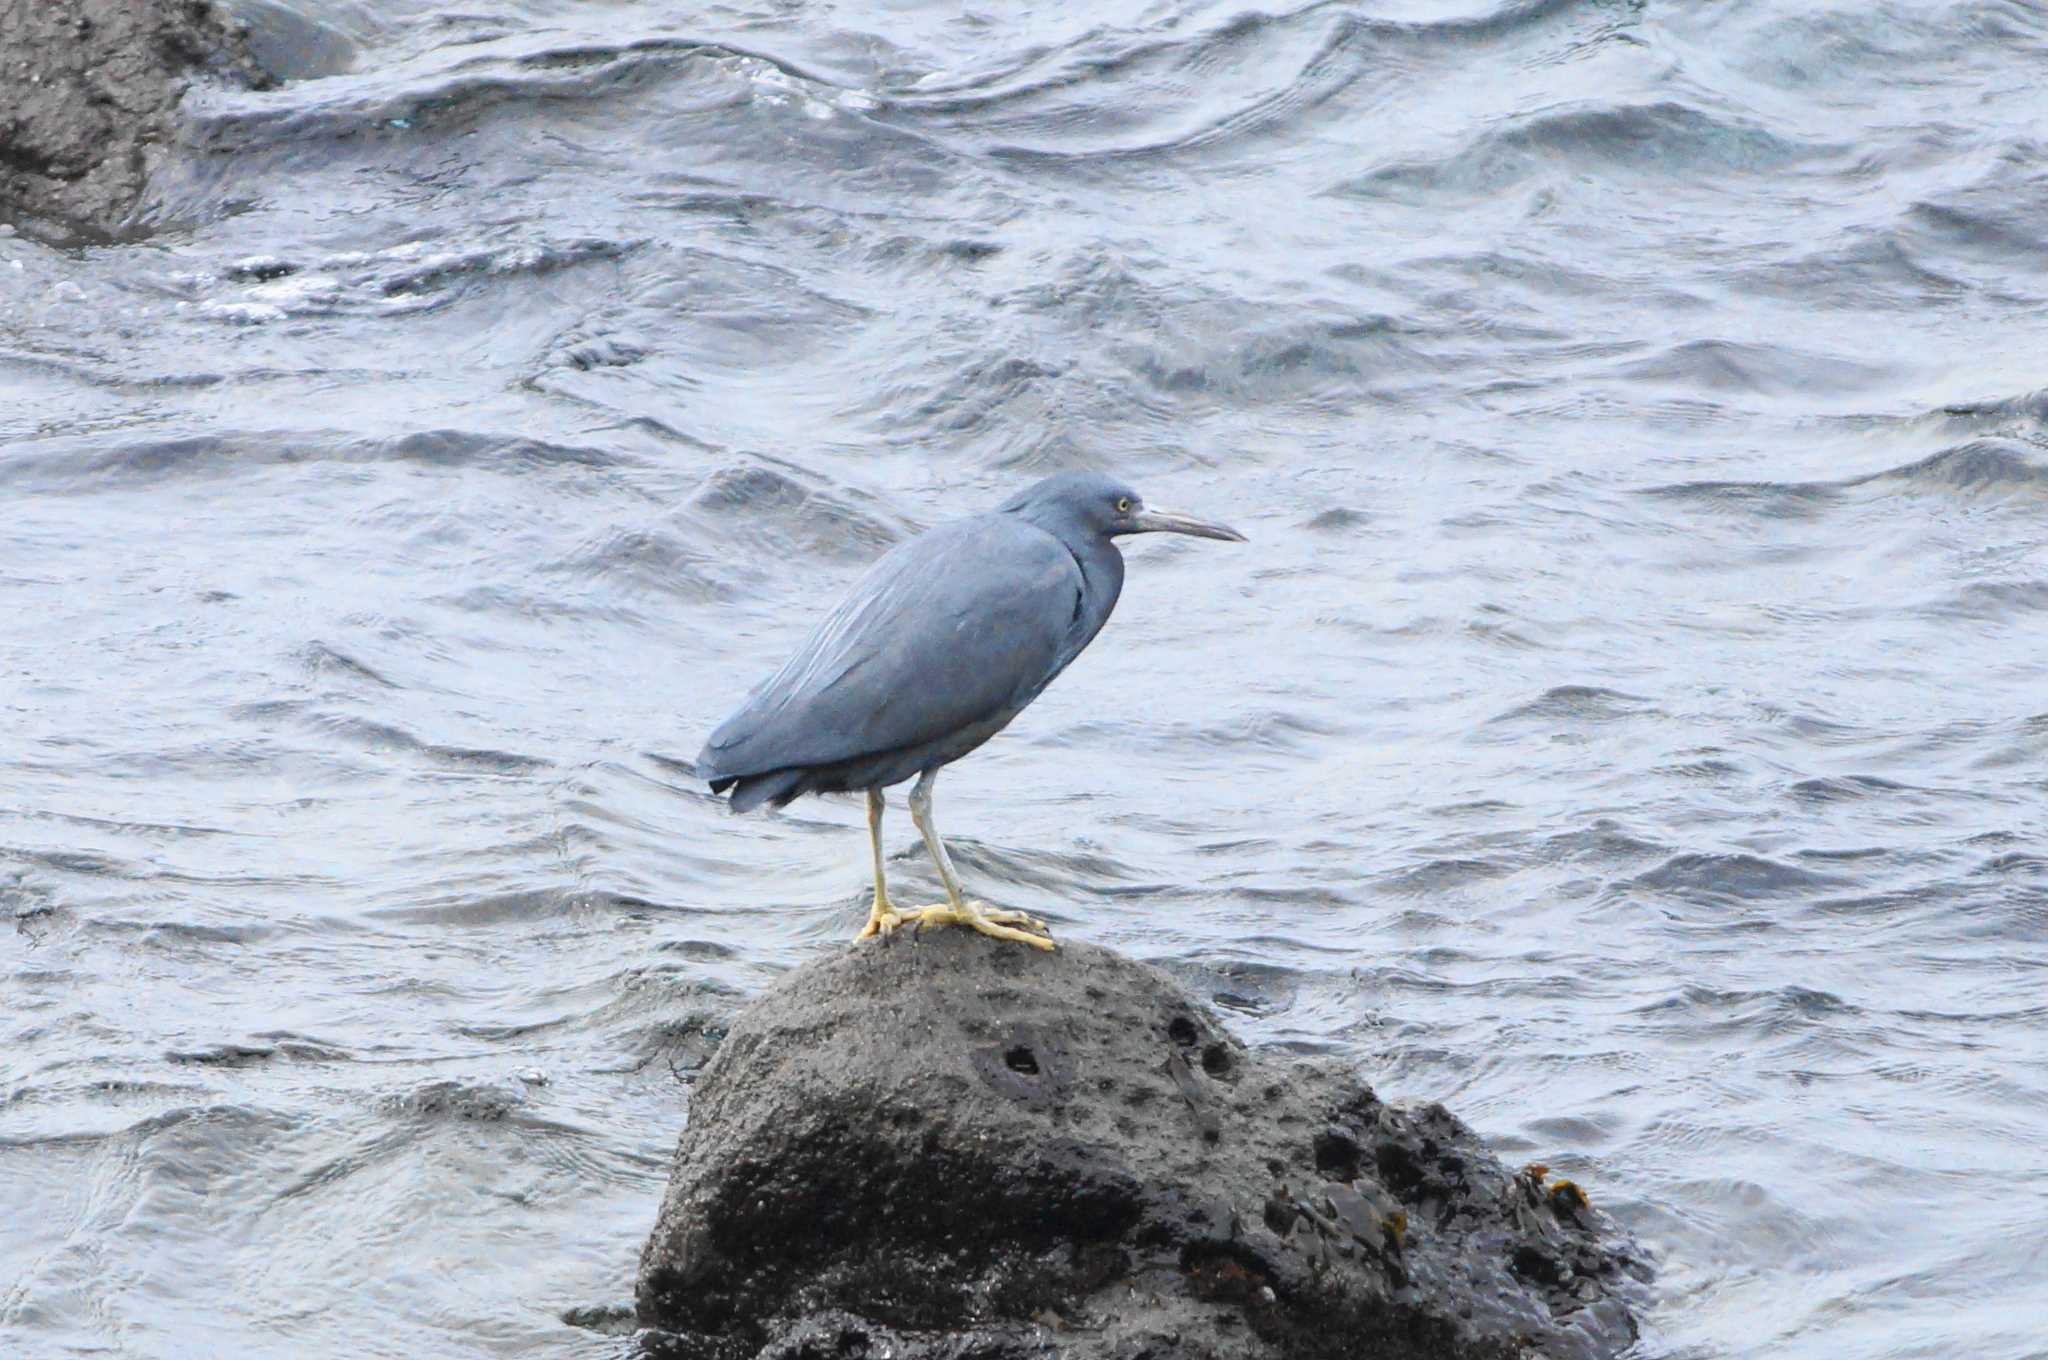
(945,640)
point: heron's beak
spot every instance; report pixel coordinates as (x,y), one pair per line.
(1172,522)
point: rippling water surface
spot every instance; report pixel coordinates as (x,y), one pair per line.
(1627,724)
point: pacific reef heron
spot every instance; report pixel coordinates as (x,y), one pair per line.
(948,637)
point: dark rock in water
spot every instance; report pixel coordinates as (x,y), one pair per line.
(88,101)
(938,1145)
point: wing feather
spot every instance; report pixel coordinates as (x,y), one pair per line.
(944,632)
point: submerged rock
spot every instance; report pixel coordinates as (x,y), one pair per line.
(89,91)
(938,1145)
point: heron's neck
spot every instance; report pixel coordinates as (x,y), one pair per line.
(1102,570)
(1102,575)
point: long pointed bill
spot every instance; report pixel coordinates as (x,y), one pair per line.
(1172,522)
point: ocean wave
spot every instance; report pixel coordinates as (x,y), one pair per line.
(1665,139)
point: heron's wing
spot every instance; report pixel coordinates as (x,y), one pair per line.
(947,631)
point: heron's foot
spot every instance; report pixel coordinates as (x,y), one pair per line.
(1004,917)
(1002,925)
(883,918)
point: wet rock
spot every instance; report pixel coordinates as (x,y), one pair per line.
(941,1146)
(612,1319)
(479,1103)
(224,1055)
(89,91)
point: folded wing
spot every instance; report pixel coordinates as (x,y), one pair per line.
(947,631)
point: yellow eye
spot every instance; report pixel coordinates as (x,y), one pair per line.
(1123,505)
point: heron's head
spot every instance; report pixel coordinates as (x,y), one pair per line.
(1097,503)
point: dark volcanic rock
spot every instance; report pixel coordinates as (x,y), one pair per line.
(938,1145)
(88,99)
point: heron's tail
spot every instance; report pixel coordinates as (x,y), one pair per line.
(749,791)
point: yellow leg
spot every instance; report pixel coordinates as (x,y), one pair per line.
(957,910)
(882,916)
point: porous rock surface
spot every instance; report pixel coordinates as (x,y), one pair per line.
(89,91)
(938,1146)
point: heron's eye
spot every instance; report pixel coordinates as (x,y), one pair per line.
(1123,505)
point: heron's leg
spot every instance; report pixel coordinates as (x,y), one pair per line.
(957,910)
(883,916)
(921,812)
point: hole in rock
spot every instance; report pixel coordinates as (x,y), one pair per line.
(1531,1264)
(1022,1059)
(1399,1171)
(1337,1156)
(1216,1060)
(1182,1032)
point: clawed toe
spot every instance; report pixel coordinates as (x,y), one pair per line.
(882,920)
(1005,917)
(999,925)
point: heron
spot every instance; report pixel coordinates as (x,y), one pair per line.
(949,636)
